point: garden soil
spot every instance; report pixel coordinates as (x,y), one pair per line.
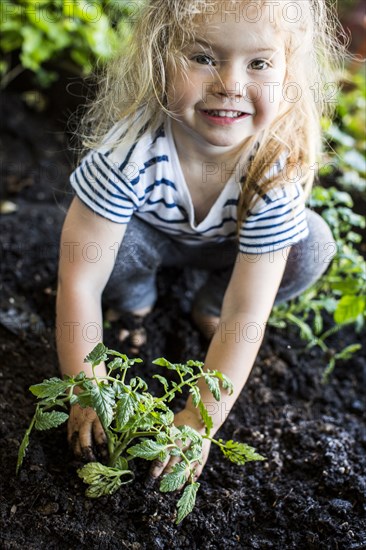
(310,493)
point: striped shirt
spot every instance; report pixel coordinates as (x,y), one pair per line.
(145,178)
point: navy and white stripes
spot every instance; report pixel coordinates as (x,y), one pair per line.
(276,221)
(145,178)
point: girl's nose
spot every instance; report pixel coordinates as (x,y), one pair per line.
(230,81)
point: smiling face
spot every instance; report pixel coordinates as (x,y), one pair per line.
(231,87)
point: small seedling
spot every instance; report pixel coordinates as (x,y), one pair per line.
(136,423)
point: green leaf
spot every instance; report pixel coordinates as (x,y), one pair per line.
(213,386)
(166,418)
(22,450)
(347,286)
(73,400)
(178,367)
(341,197)
(176,387)
(187,501)
(103,480)
(207,420)
(117,354)
(196,396)
(104,487)
(184,369)
(48,420)
(349,308)
(121,463)
(318,322)
(174,432)
(348,351)
(116,363)
(239,453)
(138,383)
(84,399)
(351,217)
(354,237)
(356,160)
(97,355)
(91,472)
(225,381)
(188,433)
(319,196)
(175,478)
(124,411)
(103,399)
(25,442)
(192,363)
(121,361)
(328,371)
(51,388)
(147,449)
(163,381)
(162,362)
(305,329)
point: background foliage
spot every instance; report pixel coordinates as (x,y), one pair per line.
(341,292)
(47,36)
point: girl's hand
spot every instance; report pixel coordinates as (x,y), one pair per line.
(83,428)
(189,418)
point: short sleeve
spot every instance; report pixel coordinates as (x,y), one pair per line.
(102,186)
(276,221)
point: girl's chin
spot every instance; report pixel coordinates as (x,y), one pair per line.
(217,136)
(226,141)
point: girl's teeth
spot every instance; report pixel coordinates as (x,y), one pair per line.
(229,114)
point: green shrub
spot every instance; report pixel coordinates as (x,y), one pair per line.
(50,35)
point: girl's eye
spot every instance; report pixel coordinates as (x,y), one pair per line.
(203,59)
(259,64)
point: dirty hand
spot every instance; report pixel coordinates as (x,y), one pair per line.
(83,429)
(184,417)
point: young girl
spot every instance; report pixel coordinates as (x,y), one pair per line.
(207,135)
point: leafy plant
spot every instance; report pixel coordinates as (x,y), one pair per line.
(73,34)
(136,423)
(341,292)
(345,160)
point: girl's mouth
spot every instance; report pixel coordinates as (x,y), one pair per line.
(224,117)
(221,113)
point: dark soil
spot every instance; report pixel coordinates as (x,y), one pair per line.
(309,494)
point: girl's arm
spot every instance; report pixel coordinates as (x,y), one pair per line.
(247,304)
(89,244)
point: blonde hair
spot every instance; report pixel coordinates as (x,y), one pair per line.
(136,82)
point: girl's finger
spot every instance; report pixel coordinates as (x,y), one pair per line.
(75,444)
(197,471)
(158,467)
(99,435)
(85,439)
(100,439)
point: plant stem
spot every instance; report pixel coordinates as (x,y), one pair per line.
(179,386)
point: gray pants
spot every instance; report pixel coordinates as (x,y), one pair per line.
(144,249)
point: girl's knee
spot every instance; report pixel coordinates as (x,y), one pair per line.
(308,260)
(320,242)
